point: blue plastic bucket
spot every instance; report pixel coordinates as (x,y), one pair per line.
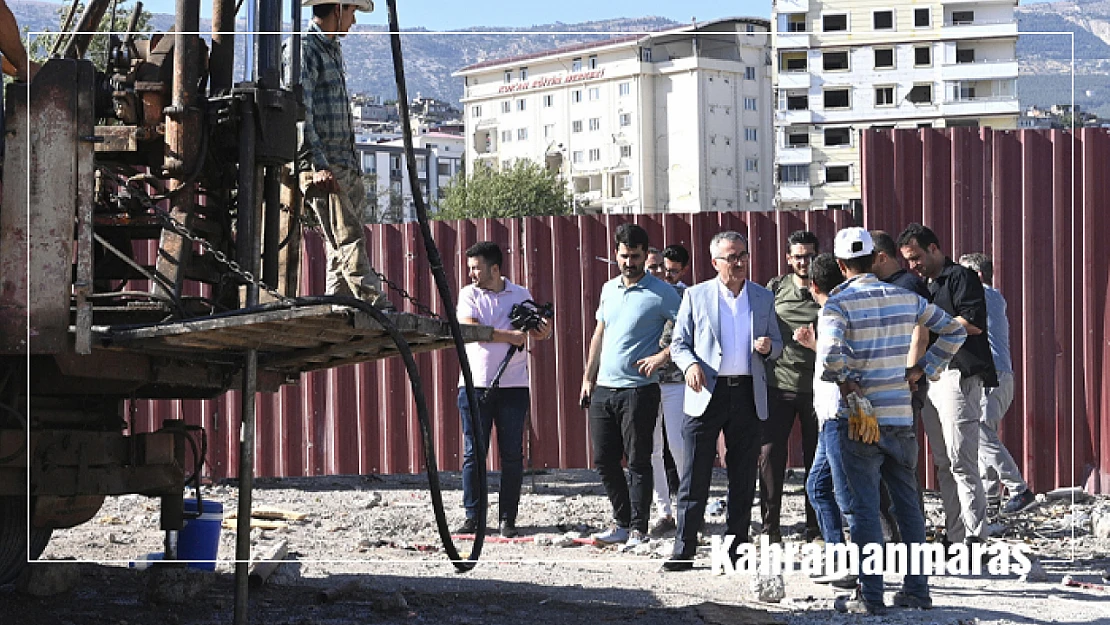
(199,540)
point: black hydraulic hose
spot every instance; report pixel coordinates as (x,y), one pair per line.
(442,286)
(417,386)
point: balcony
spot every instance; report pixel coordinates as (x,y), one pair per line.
(791,40)
(801,155)
(795,80)
(979,29)
(795,193)
(986,106)
(979,70)
(790,6)
(791,117)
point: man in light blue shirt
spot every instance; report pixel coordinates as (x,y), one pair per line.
(620,383)
(996,465)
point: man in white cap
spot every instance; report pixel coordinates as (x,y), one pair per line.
(329,166)
(868,325)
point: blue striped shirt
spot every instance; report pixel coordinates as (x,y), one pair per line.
(327,137)
(868,325)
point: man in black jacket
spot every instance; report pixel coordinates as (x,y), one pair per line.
(952,414)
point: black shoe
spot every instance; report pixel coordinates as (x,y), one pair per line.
(508,529)
(469,526)
(678,563)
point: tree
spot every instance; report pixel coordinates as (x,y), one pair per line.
(526,189)
(39,49)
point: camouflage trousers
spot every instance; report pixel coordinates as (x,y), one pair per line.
(340,217)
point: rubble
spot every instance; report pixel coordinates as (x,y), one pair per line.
(768,588)
(46,579)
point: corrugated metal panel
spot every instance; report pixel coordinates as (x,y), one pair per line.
(1037,202)
(981,190)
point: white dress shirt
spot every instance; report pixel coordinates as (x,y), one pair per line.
(736,331)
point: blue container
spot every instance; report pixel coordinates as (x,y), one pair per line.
(199,540)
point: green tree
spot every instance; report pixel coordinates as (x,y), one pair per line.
(39,49)
(526,189)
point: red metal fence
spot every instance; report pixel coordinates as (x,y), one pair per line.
(361,419)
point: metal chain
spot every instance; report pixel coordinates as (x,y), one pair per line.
(220,257)
(405,294)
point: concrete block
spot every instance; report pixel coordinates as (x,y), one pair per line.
(768,588)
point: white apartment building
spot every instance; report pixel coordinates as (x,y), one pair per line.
(673,121)
(439,157)
(841,66)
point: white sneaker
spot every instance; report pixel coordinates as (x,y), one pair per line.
(612,536)
(635,537)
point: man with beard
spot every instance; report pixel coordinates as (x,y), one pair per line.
(789,385)
(620,383)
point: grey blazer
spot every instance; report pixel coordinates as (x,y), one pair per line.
(696,340)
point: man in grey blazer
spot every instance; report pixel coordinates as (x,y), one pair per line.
(725,331)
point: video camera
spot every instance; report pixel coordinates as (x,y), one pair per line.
(528,315)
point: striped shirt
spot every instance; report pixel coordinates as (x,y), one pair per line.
(869,324)
(327,139)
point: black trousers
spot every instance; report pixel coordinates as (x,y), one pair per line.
(783,407)
(622,424)
(732,411)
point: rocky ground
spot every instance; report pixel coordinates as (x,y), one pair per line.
(368,552)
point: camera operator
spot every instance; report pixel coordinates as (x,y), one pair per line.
(489,300)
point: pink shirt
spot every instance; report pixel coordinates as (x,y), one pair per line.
(491,308)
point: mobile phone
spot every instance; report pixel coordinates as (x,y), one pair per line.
(585,403)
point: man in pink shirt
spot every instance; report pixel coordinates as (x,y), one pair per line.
(488,300)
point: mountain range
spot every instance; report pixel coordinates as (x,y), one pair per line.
(430,58)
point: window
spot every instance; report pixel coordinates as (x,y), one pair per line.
(751,164)
(796,23)
(506,136)
(834,23)
(592,62)
(838,136)
(508,76)
(595,155)
(749,104)
(521,104)
(476,111)
(883,20)
(962,18)
(626,182)
(647,55)
(922,55)
(921,18)
(626,151)
(965,56)
(576,126)
(838,173)
(443,169)
(797,137)
(837,99)
(835,61)
(548,130)
(576,156)
(626,119)
(794,174)
(595,93)
(595,123)
(751,134)
(524,73)
(795,62)
(921,94)
(884,58)
(576,65)
(884,96)
(797,102)
(751,195)
(749,73)
(506,106)
(521,134)
(576,96)
(548,101)
(624,88)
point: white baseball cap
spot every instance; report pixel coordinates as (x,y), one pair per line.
(853,243)
(361,5)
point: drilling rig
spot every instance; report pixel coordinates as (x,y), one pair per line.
(149,248)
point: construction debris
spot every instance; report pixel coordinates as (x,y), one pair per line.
(264,566)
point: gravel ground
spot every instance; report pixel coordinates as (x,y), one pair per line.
(373,540)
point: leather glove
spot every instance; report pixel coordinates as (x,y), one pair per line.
(863,426)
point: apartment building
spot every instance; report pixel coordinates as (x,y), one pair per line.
(673,121)
(841,66)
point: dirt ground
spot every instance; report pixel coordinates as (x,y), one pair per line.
(373,540)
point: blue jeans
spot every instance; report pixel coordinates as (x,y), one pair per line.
(856,471)
(819,486)
(508,409)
